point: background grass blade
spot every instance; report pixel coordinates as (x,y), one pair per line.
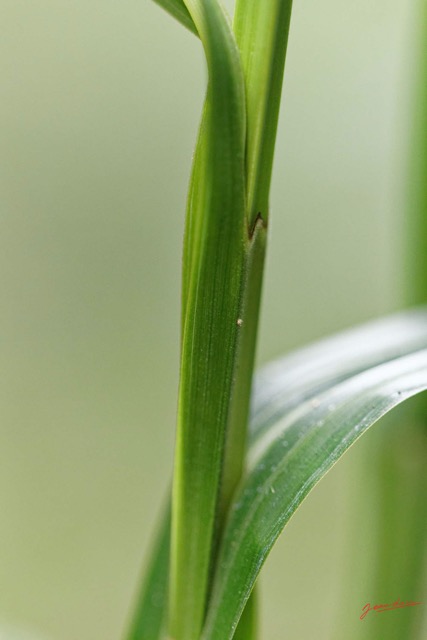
(415,255)
(179,11)
(302,448)
(398,525)
(150,617)
(214,278)
(399,478)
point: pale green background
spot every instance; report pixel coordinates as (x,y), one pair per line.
(100,103)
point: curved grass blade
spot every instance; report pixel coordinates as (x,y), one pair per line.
(285,383)
(301,449)
(178,10)
(215,259)
(302,375)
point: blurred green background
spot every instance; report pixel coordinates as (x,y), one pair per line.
(99,112)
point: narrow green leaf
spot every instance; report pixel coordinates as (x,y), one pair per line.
(194,213)
(261,30)
(179,11)
(150,612)
(216,250)
(245,355)
(284,468)
(262,34)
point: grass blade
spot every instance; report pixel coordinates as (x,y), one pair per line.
(178,10)
(298,452)
(287,382)
(150,613)
(262,34)
(214,275)
(399,477)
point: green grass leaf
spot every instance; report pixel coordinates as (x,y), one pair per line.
(285,383)
(149,620)
(287,462)
(179,11)
(215,257)
(262,34)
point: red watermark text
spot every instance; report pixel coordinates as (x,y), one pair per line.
(378,608)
